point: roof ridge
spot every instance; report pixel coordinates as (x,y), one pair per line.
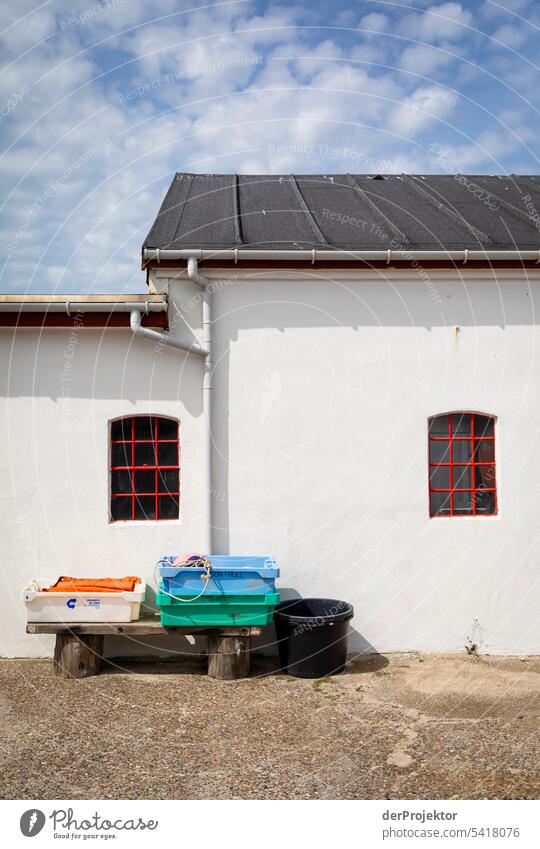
(316,230)
(183,205)
(237,218)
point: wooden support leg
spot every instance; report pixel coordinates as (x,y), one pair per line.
(78,656)
(228,657)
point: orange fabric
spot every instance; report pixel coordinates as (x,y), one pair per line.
(93,585)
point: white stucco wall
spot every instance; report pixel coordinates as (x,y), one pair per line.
(324,382)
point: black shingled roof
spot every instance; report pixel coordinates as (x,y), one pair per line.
(347,212)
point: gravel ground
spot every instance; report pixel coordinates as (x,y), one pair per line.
(395,727)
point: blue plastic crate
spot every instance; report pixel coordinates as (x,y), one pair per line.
(230,576)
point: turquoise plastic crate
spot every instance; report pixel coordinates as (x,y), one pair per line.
(217,609)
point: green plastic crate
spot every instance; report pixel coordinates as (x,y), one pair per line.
(219,609)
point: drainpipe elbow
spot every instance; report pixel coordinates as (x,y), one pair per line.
(194,274)
(164,339)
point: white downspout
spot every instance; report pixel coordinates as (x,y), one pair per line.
(204,283)
(164,338)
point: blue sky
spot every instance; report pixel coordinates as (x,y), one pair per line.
(102,101)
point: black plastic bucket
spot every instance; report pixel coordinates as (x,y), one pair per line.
(312,636)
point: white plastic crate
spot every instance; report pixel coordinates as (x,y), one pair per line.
(81,607)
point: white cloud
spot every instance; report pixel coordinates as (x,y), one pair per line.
(510,36)
(425,106)
(447,21)
(425,59)
(498,10)
(375,22)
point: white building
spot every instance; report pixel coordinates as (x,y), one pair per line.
(344,314)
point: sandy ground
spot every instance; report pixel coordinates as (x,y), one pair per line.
(401,726)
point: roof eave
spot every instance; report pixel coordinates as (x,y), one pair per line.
(157,255)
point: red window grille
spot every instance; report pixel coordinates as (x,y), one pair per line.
(462,465)
(145,469)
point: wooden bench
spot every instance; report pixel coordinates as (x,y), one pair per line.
(78,652)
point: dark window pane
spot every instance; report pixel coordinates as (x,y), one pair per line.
(145,507)
(461,424)
(461,451)
(120,455)
(168,480)
(168,507)
(483,426)
(121,509)
(440,503)
(485,502)
(440,477)
(145,481)
(121,429)
(485,477)
(484,450)
(462,477)
(168,429)
(167,453)
(439,451)
(144,427)
(463,503)
(120,481)
(144,454)
(439,426)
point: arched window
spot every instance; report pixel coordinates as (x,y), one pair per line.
(145,468)
(462,465)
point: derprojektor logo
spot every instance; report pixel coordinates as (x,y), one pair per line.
(32,822)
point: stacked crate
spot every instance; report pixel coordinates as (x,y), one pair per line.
(241,591)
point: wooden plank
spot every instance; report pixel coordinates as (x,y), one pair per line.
(143,627)
(77,657)
(228,657)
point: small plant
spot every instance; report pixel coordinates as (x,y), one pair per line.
(473,641)
(381,672)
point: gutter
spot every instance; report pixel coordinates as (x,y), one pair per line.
(136,309)
(317,255)
(70,307)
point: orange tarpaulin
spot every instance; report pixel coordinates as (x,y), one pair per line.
(93,585)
